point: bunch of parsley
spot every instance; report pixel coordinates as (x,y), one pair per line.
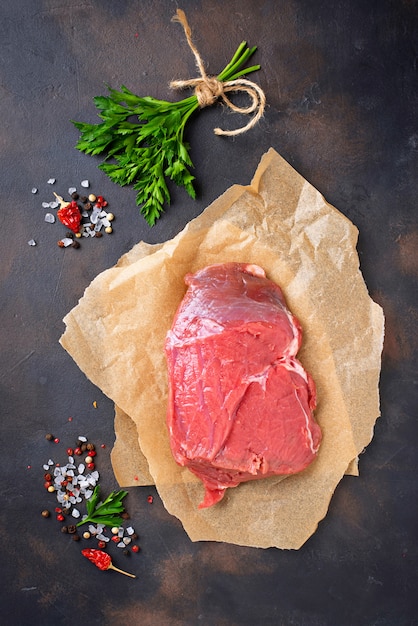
(148,151)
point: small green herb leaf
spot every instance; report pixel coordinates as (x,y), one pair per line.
(105,512)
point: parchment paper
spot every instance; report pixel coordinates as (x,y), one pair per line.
(116,335)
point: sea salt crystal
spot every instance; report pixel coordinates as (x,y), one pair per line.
(121,544)
(98,226)
(126,541)
(46,467)
(70,472)
(50,462)
(71,460)
(102,537)
(92,529)
(83,484)
(81,468)
(72,190)
(130,530)
(54,204)
(120,532)
(88,494)
(34,190)
(32,242)
(75,513)
(82,438)
(94,216)
(95,475)
(85,183)
(72,499)
(49,218)
(51,181)
(45,205)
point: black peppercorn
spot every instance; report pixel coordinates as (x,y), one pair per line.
(49,437)
(64,529)
(72,529)
(75,195)
(75,538)
(75,244)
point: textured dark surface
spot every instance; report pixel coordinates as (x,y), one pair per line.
(341,85)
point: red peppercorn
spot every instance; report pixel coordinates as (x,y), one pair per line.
(60,517)
(70,451)
(115,538)
(101,544)
(90,466)
(78,451)
(135,548)
(150,499)
(56,440)
(47,484)
(58,509)
(64,483)
(91,452)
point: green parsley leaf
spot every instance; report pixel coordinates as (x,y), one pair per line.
(105,512)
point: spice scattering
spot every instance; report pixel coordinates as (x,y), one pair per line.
(75,485)
(84,216)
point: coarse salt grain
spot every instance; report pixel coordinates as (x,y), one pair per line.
(32,242)
(75,513)
(130,530)
(85,183)
(51,181)
(72,190)
(82,438)
(121,545)
(34,190)
(81,468)
(45,205)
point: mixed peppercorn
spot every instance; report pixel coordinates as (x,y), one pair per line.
(84,216)
(76,484)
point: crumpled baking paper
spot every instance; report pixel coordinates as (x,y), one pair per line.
(116,335)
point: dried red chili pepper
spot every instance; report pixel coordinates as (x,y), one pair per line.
(70,216)
(102,560)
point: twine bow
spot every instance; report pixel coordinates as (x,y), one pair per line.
(208,88)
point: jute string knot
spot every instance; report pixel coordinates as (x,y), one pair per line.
(208,88)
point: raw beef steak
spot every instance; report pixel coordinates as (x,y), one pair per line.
(240,403)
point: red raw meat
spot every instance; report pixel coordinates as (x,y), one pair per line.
(240,404)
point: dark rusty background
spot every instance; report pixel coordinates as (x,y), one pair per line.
(341,84)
